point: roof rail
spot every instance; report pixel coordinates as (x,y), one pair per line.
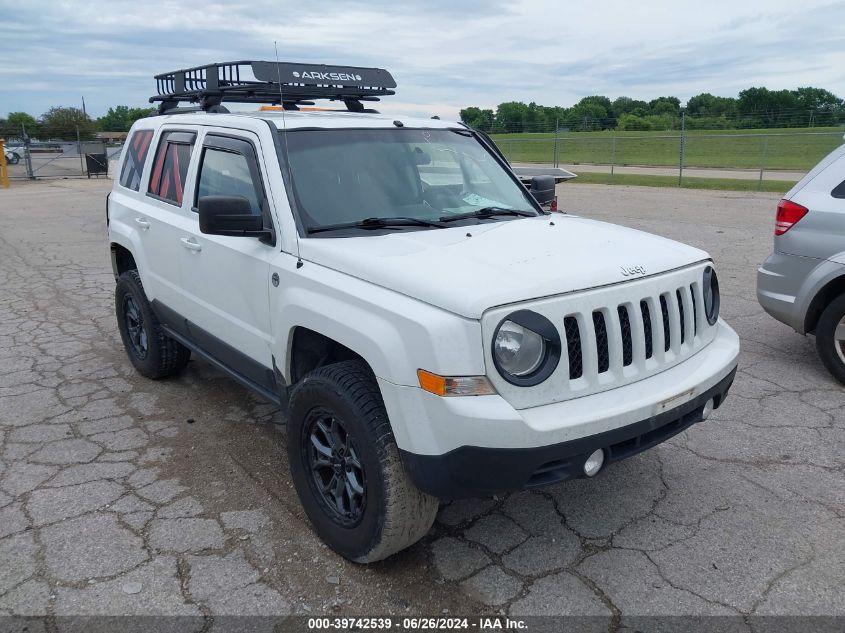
(276,83)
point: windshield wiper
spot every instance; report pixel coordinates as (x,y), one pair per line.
(378,223)
(489,212)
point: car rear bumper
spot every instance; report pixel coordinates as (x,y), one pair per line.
(779,283)
(473,471)
(788,285)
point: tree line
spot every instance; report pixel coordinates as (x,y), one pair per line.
(65,123)
(752,108)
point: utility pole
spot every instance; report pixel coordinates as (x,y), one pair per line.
(27,154)
(83,107)
(79,151)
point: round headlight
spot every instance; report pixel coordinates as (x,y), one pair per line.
(519,351)
(710,286)
(526,348)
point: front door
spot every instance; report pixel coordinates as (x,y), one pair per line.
(225,280)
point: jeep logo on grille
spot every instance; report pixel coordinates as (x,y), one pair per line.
(628,271)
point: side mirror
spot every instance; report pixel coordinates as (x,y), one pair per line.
(229,215)
(543,189)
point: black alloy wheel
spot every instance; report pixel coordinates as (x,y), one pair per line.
(337,473)
(151,351)
(346,466)
(135,328)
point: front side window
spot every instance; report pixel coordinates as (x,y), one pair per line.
(839,190)
(424,177)
(227,173)
(170,169)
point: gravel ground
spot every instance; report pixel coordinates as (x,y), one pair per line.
(119,495)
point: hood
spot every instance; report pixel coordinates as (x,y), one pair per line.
(502,262)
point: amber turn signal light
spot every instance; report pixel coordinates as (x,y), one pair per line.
(454,385)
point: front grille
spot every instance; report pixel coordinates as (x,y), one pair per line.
(681,312)
(673,314)
(694,310)
(573,347)
(615,335)
(627,344)
(649,341)
(667,333)
(601,342)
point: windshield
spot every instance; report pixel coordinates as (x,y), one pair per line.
(398,179)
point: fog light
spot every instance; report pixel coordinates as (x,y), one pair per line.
(708,408)
(594,463)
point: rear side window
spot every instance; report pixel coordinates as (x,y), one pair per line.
(226,172)
(839,190)
(136,153)
(170,169)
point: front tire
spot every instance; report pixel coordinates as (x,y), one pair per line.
(346,466)
(830,338)
(151,351)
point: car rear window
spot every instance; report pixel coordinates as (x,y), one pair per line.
(170,169)
(136,153)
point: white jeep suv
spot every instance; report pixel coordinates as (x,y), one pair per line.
(429,330)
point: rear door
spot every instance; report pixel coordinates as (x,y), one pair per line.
(156,215)
(226,280)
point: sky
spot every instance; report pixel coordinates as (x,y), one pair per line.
(444,54)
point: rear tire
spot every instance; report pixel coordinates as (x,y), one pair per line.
(830,345)
(151,351)
(339,439)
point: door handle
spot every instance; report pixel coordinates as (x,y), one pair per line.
(191,244)
(142,223)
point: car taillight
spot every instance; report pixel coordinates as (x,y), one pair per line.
(788,215)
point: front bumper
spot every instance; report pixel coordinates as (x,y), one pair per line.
(438,436)
(472,471)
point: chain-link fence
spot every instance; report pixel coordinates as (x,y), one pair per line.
(67,157)
(781,156)
(778,156)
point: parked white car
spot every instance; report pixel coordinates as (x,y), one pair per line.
(430,331)
(13,155)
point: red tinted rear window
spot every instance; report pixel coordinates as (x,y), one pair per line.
(170,169)
(136,149)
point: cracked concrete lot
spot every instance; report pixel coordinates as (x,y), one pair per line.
(119,495)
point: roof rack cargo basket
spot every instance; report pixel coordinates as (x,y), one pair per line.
(275,83)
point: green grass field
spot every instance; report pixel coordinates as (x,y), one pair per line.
(789,149)
(724,184)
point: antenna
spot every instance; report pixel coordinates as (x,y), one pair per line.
(285,137)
